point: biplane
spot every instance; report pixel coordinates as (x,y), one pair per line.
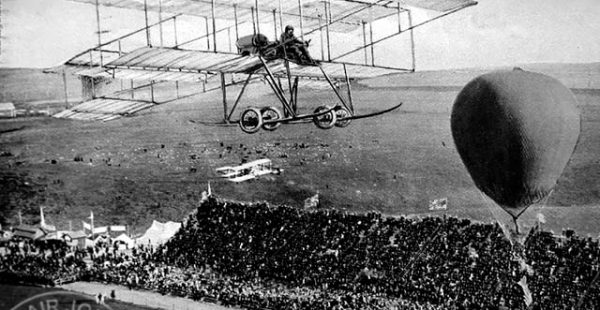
(158,55)
(248,171)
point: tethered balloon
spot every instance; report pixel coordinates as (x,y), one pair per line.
(515,132)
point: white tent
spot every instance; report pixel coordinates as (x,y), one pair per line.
(7,109)
(158,233)
(123,238)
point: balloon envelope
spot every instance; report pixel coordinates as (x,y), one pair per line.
(515,132)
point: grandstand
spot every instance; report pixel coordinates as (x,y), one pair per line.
(258,256)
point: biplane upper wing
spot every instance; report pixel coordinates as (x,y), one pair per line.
(348,14)
(438,5)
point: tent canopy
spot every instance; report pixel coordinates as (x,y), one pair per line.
(158,233)
(123,238)
(29,232)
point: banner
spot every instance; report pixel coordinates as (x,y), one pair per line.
(100,230)
(118,228)
(438,204)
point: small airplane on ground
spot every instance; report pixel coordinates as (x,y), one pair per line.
(248,171)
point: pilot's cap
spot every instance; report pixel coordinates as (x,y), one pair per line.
(289,27)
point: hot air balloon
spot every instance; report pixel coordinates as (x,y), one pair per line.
(515,132)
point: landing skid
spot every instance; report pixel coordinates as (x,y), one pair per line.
(270,118)
(371,114)
(324,117)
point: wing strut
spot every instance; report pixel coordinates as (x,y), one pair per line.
(351,105)
(224,92)
(278,91)
(334,89)
(289,79)
(237,100)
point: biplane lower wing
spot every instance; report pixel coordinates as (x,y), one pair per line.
(104,109)
(156,62)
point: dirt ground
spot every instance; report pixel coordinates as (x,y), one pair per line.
(144,300)
(125,299)
(155,165)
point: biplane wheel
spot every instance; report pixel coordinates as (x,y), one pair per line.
(250,120)
(268,114)
(340,114)
(324,121)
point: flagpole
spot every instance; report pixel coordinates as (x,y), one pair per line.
(92,220)
(42,220)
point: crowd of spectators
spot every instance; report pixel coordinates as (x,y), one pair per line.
(279,257)
(39,262)
(444,262)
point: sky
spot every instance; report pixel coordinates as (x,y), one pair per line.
(45,33)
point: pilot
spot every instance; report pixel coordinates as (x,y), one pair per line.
(294,47)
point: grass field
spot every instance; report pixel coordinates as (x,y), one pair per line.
(155,165)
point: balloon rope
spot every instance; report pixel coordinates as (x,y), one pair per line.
(490,206)
(413,257)
(545,199)
(544,203)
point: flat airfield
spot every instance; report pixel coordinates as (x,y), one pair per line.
(156,164)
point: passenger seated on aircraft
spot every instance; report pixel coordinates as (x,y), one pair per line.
(262,43)
(264,47)
(294,47)
(257,44)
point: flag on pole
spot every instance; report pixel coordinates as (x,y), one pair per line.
(86,225)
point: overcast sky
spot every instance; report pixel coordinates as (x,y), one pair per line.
(45,33)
